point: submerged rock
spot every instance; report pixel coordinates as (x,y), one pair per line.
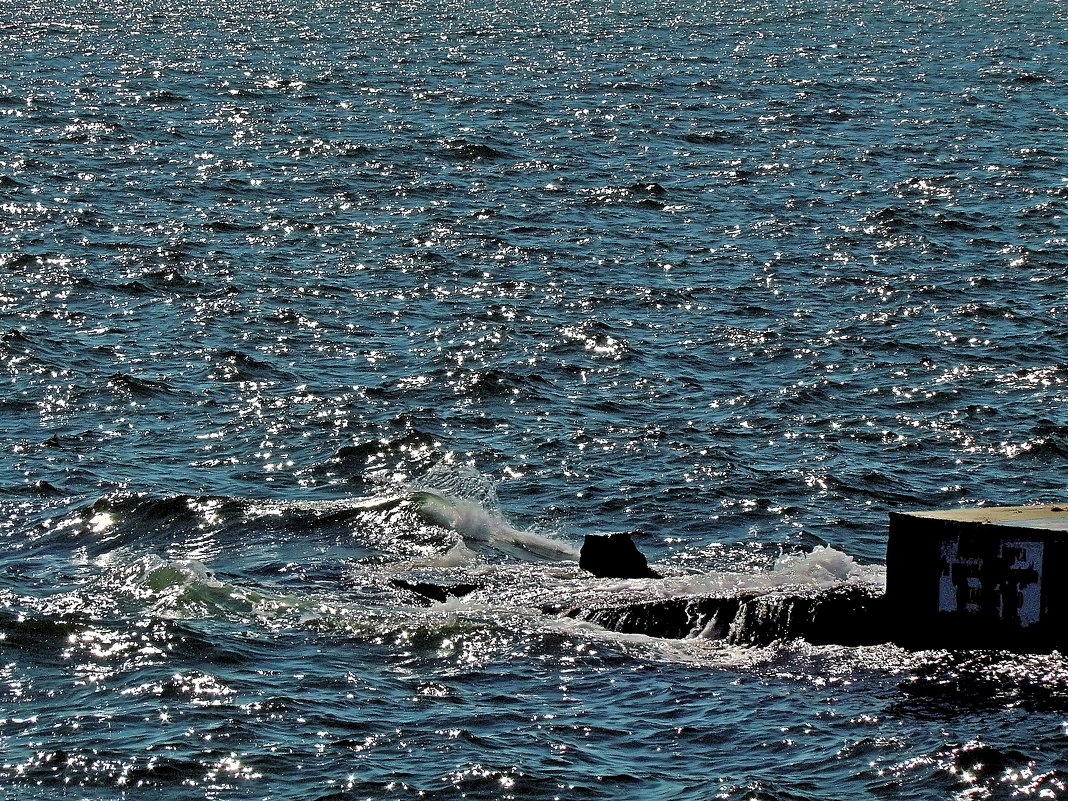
(434,592)
(843,614)
(847,612)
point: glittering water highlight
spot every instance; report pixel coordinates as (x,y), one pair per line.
(298,303)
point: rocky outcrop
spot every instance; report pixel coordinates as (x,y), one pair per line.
(614,556)
(845,614)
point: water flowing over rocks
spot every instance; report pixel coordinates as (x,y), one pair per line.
(847,614)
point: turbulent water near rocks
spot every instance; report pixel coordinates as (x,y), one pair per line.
(303,305)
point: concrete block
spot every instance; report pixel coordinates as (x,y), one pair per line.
(991,577)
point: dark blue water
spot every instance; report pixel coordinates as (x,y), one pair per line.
(737,280)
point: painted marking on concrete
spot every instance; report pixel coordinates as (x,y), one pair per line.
(1015,581)
(1021,594)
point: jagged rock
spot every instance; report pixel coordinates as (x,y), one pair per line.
(435,592)
(614,556)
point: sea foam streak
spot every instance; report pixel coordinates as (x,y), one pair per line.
(473,521)
(824,566)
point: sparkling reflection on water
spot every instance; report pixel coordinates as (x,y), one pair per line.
(736,281)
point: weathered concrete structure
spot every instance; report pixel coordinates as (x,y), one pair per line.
(990,577)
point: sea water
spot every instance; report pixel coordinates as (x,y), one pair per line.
(300,300)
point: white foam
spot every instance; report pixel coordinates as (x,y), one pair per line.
(473,521)
(822,567)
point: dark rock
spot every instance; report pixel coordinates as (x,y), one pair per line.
(614,556)
(435,592)
(845,614)
(670,618)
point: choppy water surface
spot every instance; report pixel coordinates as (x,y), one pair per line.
(297,301)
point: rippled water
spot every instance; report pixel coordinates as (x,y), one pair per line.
(299,301)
